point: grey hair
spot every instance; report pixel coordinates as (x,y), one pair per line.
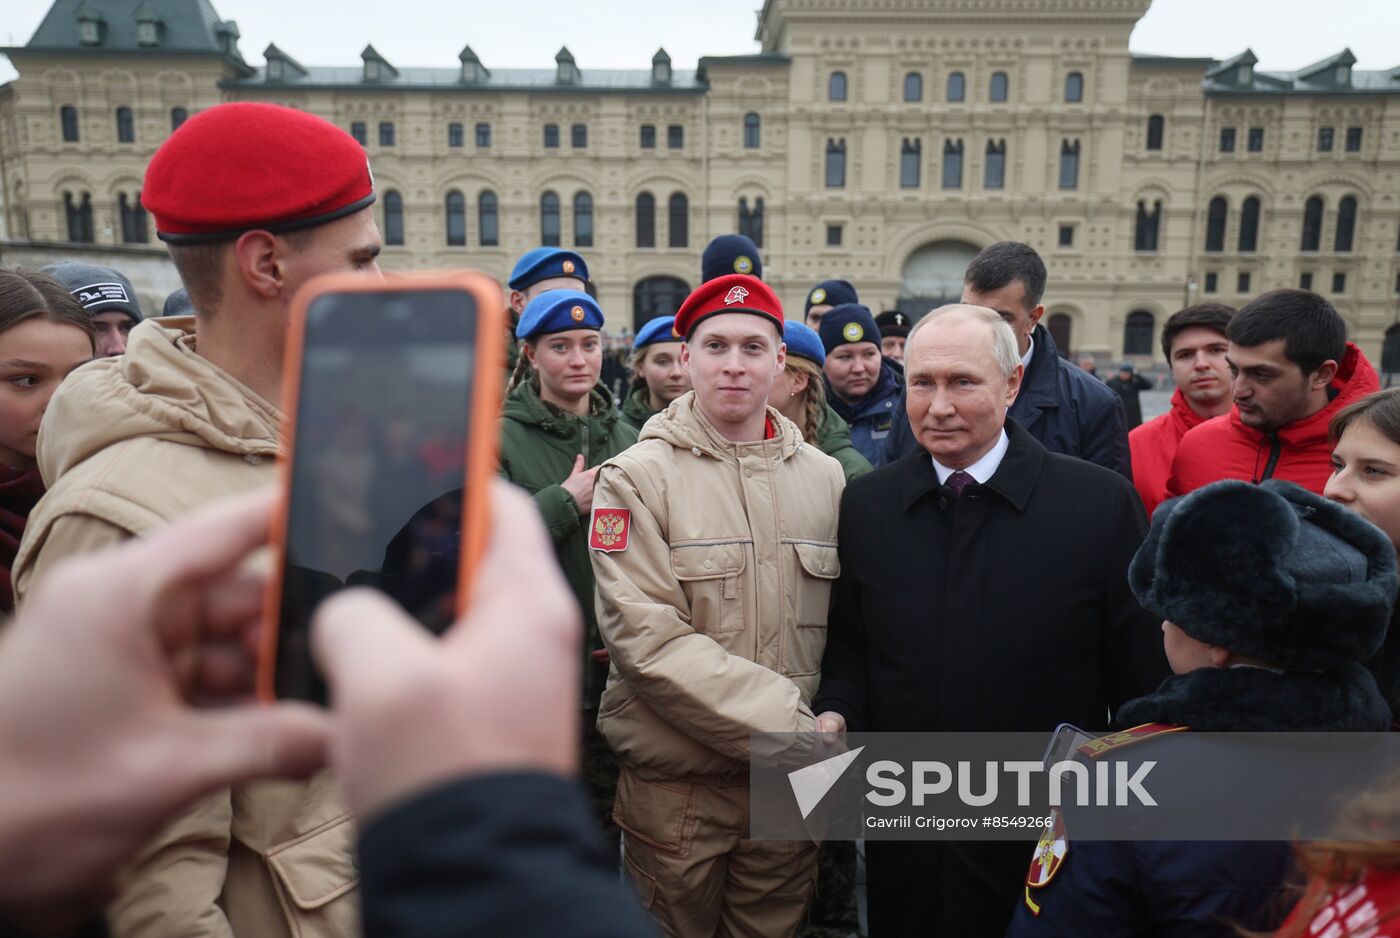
(1004,349)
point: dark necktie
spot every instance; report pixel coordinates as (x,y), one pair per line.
(959,481)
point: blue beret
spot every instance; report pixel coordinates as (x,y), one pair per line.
(660,329)
(847,324)
(831,293)
(559,311)
(542,263)
(803,342)
(730,254)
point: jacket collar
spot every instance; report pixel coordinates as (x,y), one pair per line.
(1040,385)
(886,385)
(1355,379)
(525,405)
(1014,479)
(684,425)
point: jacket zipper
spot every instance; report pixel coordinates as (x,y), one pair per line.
(1275,450)
(583,436)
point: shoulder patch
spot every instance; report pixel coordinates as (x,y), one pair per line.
(610,529)
(1049,856)
(1114,741)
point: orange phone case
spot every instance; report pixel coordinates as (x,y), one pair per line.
(483,442)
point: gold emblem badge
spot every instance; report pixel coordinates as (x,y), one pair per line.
(568,267)
(577,314)
(742,265)
(853,332)
(610,529)
(818,295)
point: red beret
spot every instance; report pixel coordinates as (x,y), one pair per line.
(236,167)
(732,293)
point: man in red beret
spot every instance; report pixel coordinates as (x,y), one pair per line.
(714,546)
(253,200)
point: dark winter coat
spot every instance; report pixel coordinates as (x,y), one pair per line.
(539,443)
(1131,393)
(980,614)
(1167,889)
(875,416)
(1063,406)
(834,439)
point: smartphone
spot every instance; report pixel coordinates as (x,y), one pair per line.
(1064,743)
(392,390)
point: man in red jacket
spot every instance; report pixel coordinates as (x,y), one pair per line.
(1293,370)
(1195,345)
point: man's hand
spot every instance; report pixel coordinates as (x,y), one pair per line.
(99,743)
(831,722)
(498,692)
(579,484)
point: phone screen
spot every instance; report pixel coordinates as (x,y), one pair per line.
(379,457)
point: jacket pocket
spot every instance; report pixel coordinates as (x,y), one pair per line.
(712,575)
(660,814)
(313,871)
(819,567)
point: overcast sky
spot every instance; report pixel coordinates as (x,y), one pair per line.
(1284,34)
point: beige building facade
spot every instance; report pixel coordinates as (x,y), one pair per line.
(879,141)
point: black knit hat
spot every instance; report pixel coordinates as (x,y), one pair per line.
(1271,571)
(99,289)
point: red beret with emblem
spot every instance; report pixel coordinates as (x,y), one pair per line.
(732,293)
(237,167)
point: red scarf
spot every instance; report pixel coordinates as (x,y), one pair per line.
(20,490)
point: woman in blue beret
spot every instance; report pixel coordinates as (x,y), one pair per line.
(558,425)
(658,378)
(799,394)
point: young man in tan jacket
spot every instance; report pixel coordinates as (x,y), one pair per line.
(714,546)
(254,200)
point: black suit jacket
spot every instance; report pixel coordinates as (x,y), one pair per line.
(1005,610)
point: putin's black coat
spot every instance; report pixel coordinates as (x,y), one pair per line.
(1007,609)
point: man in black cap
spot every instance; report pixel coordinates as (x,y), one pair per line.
(107,296)
(730,254)
(894,330)
(823,297)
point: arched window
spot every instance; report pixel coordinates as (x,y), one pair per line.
(456,219)
(1137,333)
(835,164)
(994,176)
(1069,164)
(133,219)
(1061,330)
(1249,224)
(1346,223)
(836,87)
(1074,88)
(998,91)
(678,220)
(657,296)
(910,159)
(126,127)
(549,220)
(952,164)
(957,86)
(583,220)
(1312,224)
(1156,124)
(487,221)
(751,220)
(1148,226)
(393,217)
(1215,223)
(178,116)
(68,120)
(79,217)
(752,131)
(913,87)
(646,220)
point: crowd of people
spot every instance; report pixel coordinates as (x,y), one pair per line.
(831,522)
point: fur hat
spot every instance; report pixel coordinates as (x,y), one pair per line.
(1271,571)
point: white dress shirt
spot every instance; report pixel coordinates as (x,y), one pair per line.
(983,469)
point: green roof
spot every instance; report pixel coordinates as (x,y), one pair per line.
(186,26)
(1333,75)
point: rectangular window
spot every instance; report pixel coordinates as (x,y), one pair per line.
(835,164)
(1242,283)
(952,164)
(648,137)
(994,176)
(359,132)
(1227,140)
(578,136)
(675,137)
(1069,164)
(454,135)
(1212,282)
(833,236)
(1353,139)
(1397,283)
(483,135)
(551,136)
(1066,236)
(1256,140)
(909,160)
(1305,281)
(1324,139)
(386,134)
(1339,283)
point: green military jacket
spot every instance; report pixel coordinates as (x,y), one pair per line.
(834,439)
(636,408)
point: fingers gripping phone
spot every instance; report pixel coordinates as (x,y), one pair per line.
(391,395)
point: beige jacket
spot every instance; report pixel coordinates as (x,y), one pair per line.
(715,613)
(128,444)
